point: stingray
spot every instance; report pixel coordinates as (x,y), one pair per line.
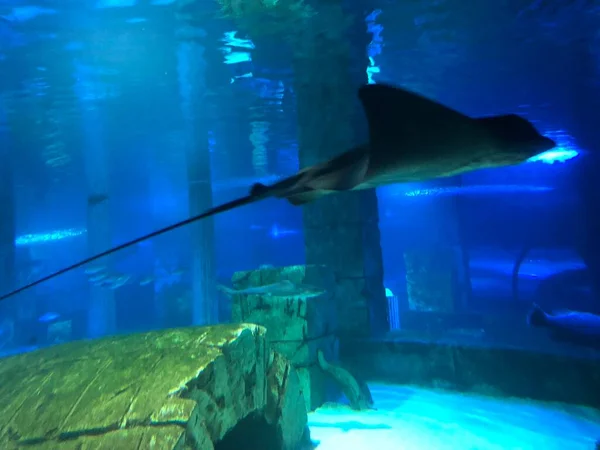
(411,138)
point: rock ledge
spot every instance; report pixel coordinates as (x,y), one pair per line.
(200,388)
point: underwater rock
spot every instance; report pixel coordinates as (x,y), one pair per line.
(285,402)
(187,388)
(295,328)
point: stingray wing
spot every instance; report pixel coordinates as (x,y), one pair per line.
(394,115)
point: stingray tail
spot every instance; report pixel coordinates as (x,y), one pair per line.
(258,189)
(537,317)
(209,213)
(296,199)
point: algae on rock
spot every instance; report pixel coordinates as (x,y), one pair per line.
(295,328)
(183,388)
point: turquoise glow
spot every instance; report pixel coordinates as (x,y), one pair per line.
(51,236)
(558,154)
(375,46)
(565,150)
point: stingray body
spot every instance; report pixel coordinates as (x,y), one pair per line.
(411,138)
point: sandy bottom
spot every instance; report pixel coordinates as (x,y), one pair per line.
(409,418)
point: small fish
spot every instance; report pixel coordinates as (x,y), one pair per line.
(284,288)
(108,281)
(580,328)
(94,270)
(96,199)
(120,281)
(48,317)
(97,277)
(238,77)
(146,280)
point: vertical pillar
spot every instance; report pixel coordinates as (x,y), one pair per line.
(341,231)
(259,138)
(434,251)
(433,254)
(101,310)
(192,68)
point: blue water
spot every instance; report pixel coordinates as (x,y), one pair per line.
(120,117)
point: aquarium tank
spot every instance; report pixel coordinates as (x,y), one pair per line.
(299,224)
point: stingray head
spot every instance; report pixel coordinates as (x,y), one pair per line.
(516,138)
